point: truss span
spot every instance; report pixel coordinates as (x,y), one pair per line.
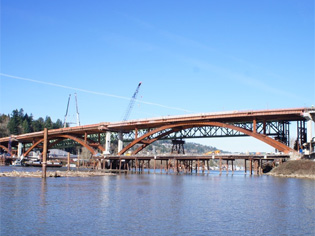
(158,133)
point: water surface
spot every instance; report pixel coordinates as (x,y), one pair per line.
(157,204)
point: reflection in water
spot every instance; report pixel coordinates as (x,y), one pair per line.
(42,203)
(158,204)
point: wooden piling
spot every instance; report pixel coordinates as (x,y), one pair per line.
(208,166)
(227,167)
(68,161)
(232,167)
(161,166)
(148,166)
(44,163)
(154,164)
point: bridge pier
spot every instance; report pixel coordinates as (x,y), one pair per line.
(120,142)
(107,142)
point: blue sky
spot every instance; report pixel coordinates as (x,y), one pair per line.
(191,56)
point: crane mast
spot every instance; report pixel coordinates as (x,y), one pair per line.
(76,105)
(77,110)
(126,116)
(65,121)
(131,103)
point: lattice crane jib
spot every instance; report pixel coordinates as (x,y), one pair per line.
(131,103)
(77,111)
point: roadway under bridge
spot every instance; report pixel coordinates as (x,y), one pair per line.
(272,127)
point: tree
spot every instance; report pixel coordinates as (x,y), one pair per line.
(4,120)
(58,124)
(38,125)
(48,123)
(14,123)
(26,127)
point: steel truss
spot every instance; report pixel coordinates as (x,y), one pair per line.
(277,129)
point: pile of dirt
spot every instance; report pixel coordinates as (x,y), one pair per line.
(296,169)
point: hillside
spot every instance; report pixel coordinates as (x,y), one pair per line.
(165,146)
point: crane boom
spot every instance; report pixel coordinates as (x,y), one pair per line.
(131,103)
(76,105)
(77,109)
(65,122)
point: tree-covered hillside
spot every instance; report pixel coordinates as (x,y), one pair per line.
(19,122)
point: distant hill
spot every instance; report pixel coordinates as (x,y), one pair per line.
(165,146)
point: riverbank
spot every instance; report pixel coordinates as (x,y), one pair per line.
(295,169)
(55,174)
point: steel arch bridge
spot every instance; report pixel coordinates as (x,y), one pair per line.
(269,126)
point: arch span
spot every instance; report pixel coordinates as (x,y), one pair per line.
(5,148)
(145,140)
(66,136)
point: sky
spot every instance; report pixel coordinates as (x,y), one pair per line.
(191,57)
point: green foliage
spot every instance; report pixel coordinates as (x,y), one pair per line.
(4,120)
(20,123)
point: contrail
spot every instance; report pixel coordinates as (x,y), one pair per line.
(91,92)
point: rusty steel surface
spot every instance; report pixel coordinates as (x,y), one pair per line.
(167,125)
(292,114)
(145,140)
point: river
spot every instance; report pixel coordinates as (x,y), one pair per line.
(157,204)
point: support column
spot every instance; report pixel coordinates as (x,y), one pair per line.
(120,142)
(309,135)
(208,166)
(20,147)
(85,137)
(107,143)
(154,164)
(44,163)
(254,125)
(232,167)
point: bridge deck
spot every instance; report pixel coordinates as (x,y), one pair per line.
(291,114)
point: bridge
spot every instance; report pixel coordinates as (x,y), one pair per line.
(269,126)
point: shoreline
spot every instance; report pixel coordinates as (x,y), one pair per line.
(297,176)
(295,169)
(54,174)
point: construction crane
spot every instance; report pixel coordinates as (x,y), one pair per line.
(126,116)
(66,115)
(77,109)
(76,105)
(131,103)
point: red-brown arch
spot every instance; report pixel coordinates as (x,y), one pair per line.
(5,148)
(66,136)
(181,126)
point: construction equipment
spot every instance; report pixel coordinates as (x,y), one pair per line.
(131,103)
(213,152)
(77,109)
(76,105)
(126,116)
(66,115)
